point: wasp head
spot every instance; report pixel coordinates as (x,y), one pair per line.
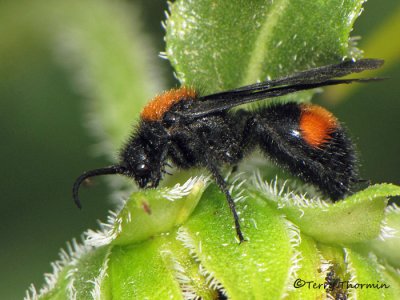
(142,157)
(139,163)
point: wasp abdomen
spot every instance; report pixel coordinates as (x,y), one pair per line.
(310,142)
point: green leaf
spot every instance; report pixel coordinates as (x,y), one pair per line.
(365,270)
(159,268)
(355,219)
(188,272)
(388,244)
(75,274)
(310,269)
(203,254)
(264,262)
(150,212)
(222,45)
(85,272)
(138,272)
(392,278)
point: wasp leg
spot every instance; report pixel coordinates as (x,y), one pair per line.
(223,187)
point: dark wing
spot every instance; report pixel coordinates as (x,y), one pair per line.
(306,80)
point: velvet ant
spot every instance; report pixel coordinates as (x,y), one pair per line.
(191,130)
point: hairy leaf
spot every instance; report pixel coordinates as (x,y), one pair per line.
(225,44)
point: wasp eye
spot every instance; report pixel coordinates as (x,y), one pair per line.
(169,119)
(141,169)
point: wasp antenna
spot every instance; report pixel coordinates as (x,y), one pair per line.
(116,169)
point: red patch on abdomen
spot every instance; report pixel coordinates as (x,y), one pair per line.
(316,124)
(156,108)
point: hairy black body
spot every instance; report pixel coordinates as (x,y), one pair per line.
(332,166)
(226,137)
(192,131)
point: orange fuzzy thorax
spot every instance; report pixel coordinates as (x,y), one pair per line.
(316,124)
(159,105)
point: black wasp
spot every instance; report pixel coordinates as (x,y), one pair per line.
(191,130)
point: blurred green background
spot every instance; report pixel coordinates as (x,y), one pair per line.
(45,142)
